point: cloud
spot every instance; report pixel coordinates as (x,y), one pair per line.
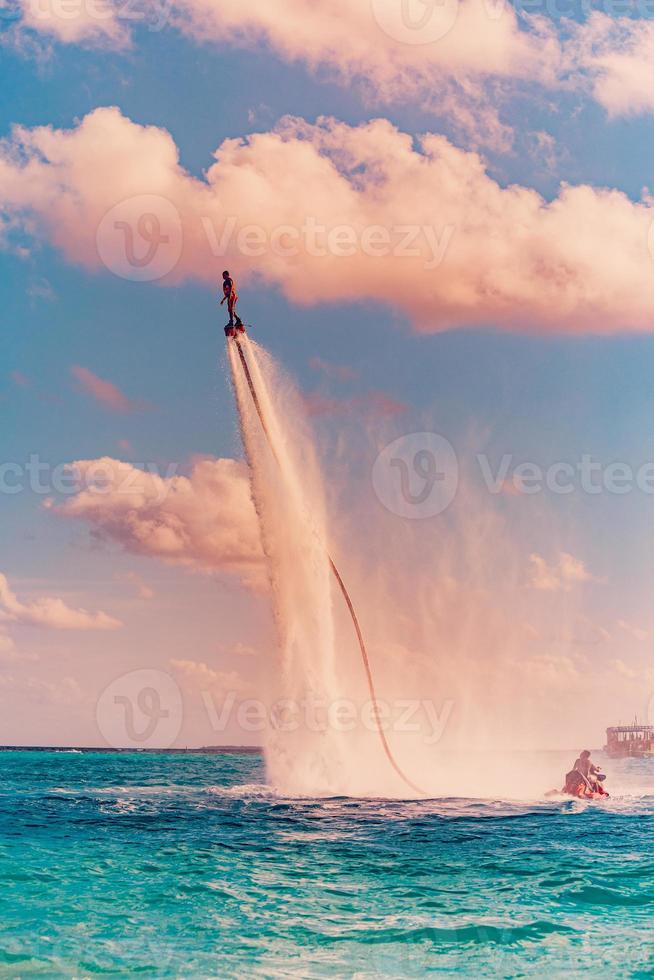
(416,224)
(66,692)
(461,58)
(8,651)
(237,649)
(105,392)
(6,643)
(21,380)
(338,372)
(635,632)
(548,671)
(373,403)
(10,654)
(40,289)
(562,576)
(459,50)
(617,55)
(205,521)
(51,613)
(141,589)
(89,22)
(200,676)
(473,53)
(469,51)
(243,650)
(363,41)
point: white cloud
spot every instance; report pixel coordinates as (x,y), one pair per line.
(473,53)
(201,677)
(635,632)
(478,253)
(50,612)
(90,22)
(205,520)
(562,576)
(141,589)
(616,56)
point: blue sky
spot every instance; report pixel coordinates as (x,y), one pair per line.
(535,394)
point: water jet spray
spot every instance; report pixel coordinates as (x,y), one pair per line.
(239,339)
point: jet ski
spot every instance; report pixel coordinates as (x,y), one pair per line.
(582,789)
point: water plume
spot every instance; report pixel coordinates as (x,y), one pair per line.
(288,494)
(463,653)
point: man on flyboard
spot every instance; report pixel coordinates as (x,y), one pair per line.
(230,294)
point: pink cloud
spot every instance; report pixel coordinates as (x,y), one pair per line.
(205,521)
(475,46)
(200,676)
(379,403)
(94,22)
(375,403)
(105,392)
(562,576)
(21,380)
(636,632)
(617,54)
(361,38)
(243,650)
(8,651)
(365,45)
(316,404)
(141,588)
(466,61)
(52,613)
(475,253)
(338,372)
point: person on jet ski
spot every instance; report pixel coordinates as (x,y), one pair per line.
(585,779)
(231,295)
(587,769)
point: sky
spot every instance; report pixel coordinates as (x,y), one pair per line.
(440,221)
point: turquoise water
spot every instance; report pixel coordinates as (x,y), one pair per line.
(188,866)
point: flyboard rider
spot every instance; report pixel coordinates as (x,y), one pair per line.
(230,294)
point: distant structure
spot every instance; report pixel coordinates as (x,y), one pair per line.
(634,741)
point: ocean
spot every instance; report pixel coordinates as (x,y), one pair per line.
(185,866)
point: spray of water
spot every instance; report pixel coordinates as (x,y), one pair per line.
(287,490)
(476,672)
